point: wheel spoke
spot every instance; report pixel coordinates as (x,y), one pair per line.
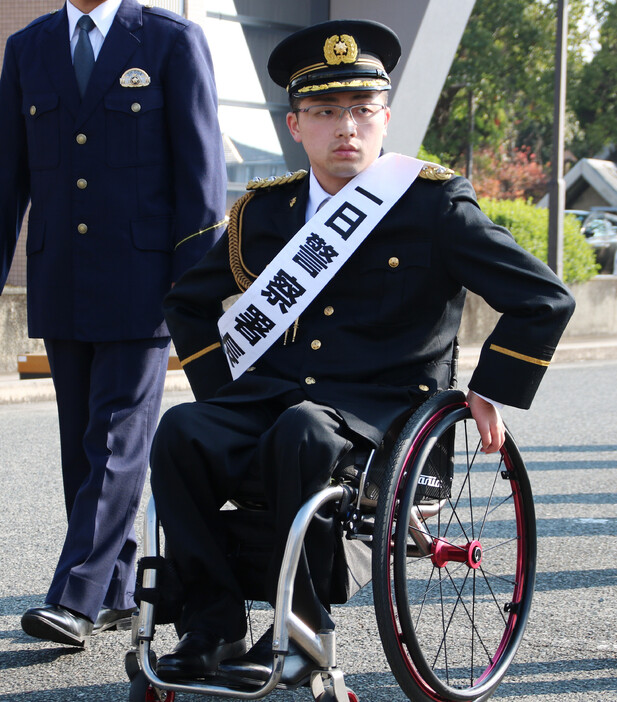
(463,533)
(488,585)
(490,498)
(469,616)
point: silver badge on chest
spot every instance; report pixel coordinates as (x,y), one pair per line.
(134,78)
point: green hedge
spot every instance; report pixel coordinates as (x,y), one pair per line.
(529,226)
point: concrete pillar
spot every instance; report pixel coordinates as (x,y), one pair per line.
(430,33)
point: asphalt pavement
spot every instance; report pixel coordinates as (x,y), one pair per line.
(569,653)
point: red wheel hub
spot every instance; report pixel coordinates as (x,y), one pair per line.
(442,552)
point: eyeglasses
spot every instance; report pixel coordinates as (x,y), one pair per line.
(360,114)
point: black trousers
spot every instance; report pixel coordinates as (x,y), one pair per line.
(200,456)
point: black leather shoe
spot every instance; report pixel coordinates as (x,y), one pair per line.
(55,623)
(113,620)
(256,665)
(197,655)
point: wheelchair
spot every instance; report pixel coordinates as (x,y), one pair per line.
(450,536)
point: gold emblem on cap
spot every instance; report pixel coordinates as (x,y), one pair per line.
(134,78)
(340,49)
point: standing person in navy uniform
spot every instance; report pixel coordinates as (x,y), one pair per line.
(375,340)
(121,158)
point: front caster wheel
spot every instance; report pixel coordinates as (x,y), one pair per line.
(330,697)
(139,687)
(330,687)
(142,691)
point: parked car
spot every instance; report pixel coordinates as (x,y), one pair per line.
(581,215)
(600,229)
(599,225)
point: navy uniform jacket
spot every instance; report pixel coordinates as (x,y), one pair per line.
(379,336)
(121,183)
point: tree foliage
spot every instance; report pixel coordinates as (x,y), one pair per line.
(509,175)
(499,92)
(529,226)
(594,96)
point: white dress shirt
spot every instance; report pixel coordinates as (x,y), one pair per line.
(317,196)
(102,16)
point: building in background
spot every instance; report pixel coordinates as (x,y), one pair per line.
(591,182)
(245,162)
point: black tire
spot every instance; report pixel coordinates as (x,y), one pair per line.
(451,620)
(139,687)
(329,697)
(131,663)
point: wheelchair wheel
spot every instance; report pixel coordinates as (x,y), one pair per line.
(453,557)
(327,697)
(142,691)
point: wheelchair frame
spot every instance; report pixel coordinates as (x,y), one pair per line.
(421,543)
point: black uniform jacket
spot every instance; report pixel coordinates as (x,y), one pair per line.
(380,335)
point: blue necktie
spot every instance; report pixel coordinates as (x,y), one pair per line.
(83,60)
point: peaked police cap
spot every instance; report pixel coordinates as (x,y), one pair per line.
(335,56)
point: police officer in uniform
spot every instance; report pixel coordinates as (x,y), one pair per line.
(108,113)
(377,339)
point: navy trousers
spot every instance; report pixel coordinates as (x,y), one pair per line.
(109,396)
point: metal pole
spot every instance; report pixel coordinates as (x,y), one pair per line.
(472,118)
(557,190)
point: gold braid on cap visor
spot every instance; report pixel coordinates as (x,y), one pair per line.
(321,76)
(377,84)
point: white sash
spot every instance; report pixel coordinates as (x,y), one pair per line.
(302,268)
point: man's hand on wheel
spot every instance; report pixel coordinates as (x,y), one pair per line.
(489,422)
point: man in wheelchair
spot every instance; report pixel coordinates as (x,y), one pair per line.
(348,317)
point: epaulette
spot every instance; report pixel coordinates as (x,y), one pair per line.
(242,275)
(274,181)
(165,14)
(38,20)
(433,171)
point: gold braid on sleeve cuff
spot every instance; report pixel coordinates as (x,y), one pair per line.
(519,356)
(199,354)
